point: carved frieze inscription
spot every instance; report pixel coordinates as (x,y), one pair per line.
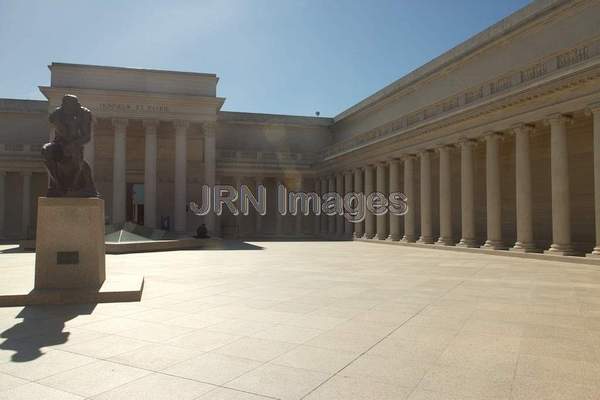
(131,108)
(483,91)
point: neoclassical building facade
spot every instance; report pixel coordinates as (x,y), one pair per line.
(495,143)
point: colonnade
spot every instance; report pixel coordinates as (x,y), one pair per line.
(119,181)
(384,176)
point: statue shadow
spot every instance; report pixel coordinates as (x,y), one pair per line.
(41,327)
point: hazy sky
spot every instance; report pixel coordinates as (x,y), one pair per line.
(272,56)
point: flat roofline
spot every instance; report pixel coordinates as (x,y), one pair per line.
(23,105)
(107,67)
(506,25)
(231,115)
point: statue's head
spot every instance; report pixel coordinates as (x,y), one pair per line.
(70,104)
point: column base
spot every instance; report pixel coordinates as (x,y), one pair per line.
(358,235)
(560,250)
(369,235)
(382,236)
(467,243)
(408,239)
(445,241)
(425,240)
(595,253)
(394,238)
(494,245)
(524,247)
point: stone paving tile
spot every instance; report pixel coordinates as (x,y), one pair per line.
(203,340)
(213,368)
(105,346)
(229,394)
(278,381)
(49,364)
(255,349)
(350,388)
(93,379)
(8,382)
(315,359)
(157,387)
(155,356)
(288,333)
(34,391)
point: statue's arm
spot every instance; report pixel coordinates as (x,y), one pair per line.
(56,121)
(85,131)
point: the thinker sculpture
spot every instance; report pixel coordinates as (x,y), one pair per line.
(70,175)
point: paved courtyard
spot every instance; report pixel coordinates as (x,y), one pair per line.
(313,320)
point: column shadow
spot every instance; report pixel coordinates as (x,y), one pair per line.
(42,326)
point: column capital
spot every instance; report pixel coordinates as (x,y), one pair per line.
(150,124)
(381,163)
(492,135)
(408,157)
(120,123)
(25,173)
(522,128)
(358,169)
(3,173)
(441,147)
(425,152)
(467,142)
(558,119)
(592,109)
(395,161)
(181,124)
(209,127)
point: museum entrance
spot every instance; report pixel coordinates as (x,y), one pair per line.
(135,203)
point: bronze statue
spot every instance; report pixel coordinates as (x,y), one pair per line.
(70,175)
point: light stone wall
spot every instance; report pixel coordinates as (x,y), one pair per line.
(542,60)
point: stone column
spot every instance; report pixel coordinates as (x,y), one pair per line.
(180,188)
(524,241)
(150,181)
(279,217)
(258,220)
(561,204)
(324,218)
(595,112)
(317,217)
(382,220)
(331,221)
(409,191)
(394,186)
(445,197)
(467,194)
(2,202)
(369,188)
(210,152)
(26,212)
(339,219)
(426,230)
(359,227)
(299,216)
(347,189)
(119,171)
(239,220)
(493,192)
(89,152)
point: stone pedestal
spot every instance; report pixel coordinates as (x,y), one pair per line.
(70,243)
(70,258)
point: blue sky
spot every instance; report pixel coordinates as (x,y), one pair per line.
(272,56)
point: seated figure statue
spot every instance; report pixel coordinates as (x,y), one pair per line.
(70,175)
